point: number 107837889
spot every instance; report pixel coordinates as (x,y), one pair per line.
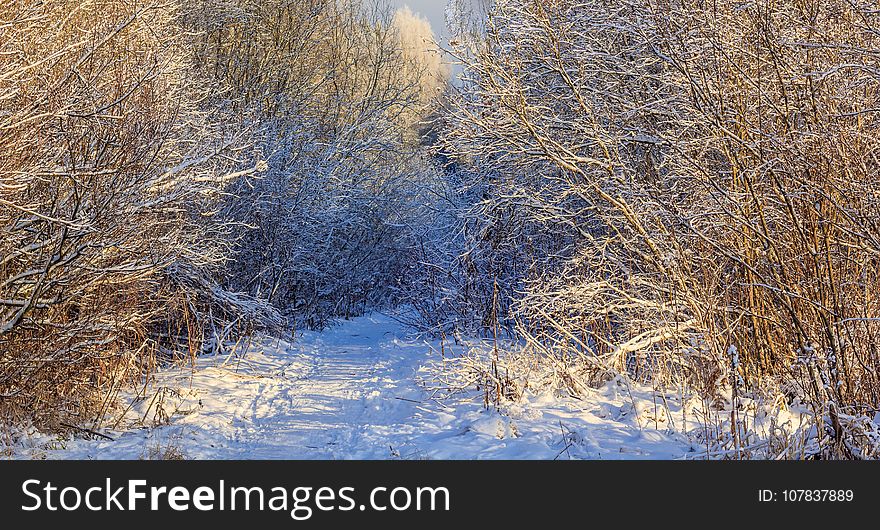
(806,495)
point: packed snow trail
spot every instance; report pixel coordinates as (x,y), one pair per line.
(352,392)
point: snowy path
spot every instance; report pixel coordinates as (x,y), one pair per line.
(352,392)
(333,399)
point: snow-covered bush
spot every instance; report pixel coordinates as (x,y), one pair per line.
(108,169)
(696,181)
(336,92)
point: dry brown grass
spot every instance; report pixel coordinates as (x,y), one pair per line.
(170,451)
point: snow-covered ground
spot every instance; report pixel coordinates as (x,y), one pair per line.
(354,392)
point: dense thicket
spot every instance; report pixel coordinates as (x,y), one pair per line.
(106,162)
(680,192)
(336,93)
(171,170)
(684,191)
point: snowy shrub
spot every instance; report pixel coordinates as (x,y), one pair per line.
(336,92)
(696,181)
(107,167)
